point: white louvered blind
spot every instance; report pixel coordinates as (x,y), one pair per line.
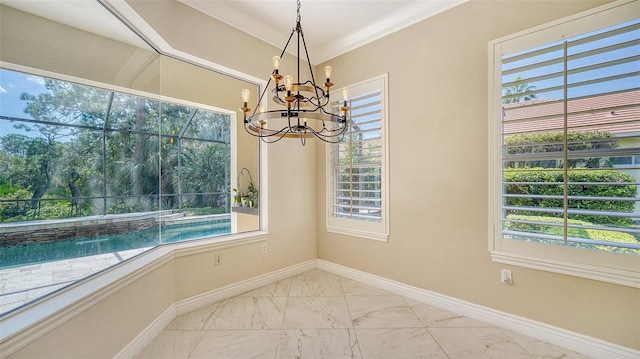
(356,162)
(571,141)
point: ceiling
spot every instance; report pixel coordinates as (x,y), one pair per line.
(330,27)
(88,15)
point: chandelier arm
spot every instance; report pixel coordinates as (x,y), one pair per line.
(276,93)
(324,137)
(334,132)
(317,102)
(280,133)
(264,139)
(320,94)
(344,118)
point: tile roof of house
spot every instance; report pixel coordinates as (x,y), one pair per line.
(617,113)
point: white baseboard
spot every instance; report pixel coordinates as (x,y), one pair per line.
(574,341)
(216,295)
(148,334)
(202,300)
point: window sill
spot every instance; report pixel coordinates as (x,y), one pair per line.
(609,275)
(246,210)
(376,236)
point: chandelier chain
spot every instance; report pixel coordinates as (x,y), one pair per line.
(298,19)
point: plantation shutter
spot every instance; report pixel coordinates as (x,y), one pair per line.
(571,141)
(357,161)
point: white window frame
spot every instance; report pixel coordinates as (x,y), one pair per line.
(361,228)
(618,268)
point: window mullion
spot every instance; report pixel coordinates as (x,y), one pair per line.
(565,152)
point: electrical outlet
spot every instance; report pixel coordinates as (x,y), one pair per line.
(218,259)
(505,276)
(264,248)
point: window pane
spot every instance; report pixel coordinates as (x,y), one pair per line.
(568,170)
(357,162)
(90,172)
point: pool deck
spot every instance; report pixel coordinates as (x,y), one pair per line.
(20,285)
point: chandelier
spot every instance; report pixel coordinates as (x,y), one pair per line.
(307,113)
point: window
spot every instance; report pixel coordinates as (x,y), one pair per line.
(101,174)
(357,178)
(565,112)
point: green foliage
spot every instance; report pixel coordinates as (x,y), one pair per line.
(542,179)
(252,193)
(205,211)
(19,208)
(519,91)
(6,189)
(584,233)
(544,142)
(139,161)
(17,204)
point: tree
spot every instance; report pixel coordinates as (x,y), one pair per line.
(520,91)
(119,162)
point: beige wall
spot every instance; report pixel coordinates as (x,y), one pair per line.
(291,167)
(438,175)
(438,85)
(105,328)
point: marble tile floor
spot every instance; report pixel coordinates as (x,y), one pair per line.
(321,315)
(19,285)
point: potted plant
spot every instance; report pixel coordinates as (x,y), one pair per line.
(237,197)
(253,194)
(251,197)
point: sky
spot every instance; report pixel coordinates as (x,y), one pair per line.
(12,85)
(582,61)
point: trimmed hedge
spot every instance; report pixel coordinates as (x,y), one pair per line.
(552,175)
(528,143)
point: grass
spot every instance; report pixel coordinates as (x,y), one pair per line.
(543,227)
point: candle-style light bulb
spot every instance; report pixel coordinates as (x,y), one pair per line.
(245,95)
(245,99)
(276,70)
(327,72)
(327,75)
(288,82)
(345,97)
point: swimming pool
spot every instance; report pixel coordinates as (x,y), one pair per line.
(33,253)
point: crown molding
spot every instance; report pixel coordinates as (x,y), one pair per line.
(406,16)
(395,21)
